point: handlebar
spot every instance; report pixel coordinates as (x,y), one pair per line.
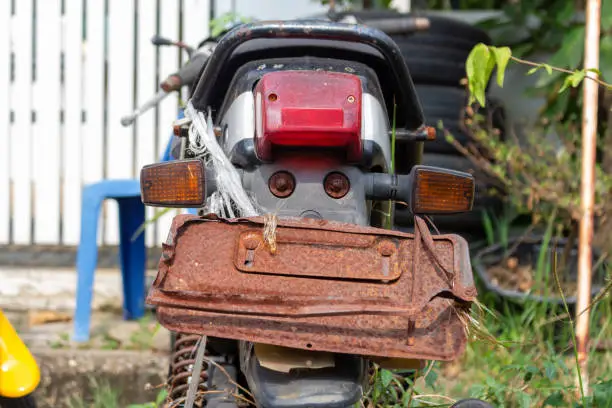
(129,119)
(184,76)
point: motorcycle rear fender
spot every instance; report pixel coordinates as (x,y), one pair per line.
(19,373)
(325,286)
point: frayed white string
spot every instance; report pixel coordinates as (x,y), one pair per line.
(202,140)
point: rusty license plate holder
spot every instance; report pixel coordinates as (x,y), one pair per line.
(202,287)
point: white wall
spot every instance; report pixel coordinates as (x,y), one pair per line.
(270,9)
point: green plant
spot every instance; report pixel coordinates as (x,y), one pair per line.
(142,339)
(226,21)
(554,28)
(158,403)
(536,175)
(104,396)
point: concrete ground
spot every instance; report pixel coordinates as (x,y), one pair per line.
(125,359)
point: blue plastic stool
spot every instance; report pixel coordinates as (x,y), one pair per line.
(132,252)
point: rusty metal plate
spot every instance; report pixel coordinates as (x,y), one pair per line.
(308,253)
(201,287)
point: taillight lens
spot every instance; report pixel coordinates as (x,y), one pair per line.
(177,183)
(441,191)
(308,109)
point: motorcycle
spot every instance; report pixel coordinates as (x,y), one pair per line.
(288,284)
(19,373)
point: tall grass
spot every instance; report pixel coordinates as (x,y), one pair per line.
(530,362)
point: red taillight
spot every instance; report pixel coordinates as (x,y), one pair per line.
(310,109)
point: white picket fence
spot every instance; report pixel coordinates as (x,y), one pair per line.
(69,70)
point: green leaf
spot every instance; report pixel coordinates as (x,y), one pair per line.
(554,400)
(161,397)
(478,67)
(534,70)
(430,378)
(502,56)
(550,370)
(386,377)
(577,77)
(524,400)
(566,84)
(548,68)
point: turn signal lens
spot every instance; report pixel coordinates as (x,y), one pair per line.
(441,191)
(177,183)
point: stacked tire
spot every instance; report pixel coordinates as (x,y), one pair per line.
(436,60)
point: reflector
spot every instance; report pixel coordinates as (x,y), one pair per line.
(177,183)
(441,191)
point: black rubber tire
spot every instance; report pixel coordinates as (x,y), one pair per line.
(24,402)
(442,98)
(446,105)
(436,71)
(437,55)
(439,26)
(471,403)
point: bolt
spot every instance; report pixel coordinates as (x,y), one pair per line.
(350,99)
(281,184)
(251,241)
(386,248)
(336,185)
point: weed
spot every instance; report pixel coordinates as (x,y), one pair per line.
(104,396)
(142,339)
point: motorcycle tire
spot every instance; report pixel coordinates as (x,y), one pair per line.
(435,71)
(24,402)
(439,26)
(446,105)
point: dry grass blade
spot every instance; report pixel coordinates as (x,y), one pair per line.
(214,363)
(176,403)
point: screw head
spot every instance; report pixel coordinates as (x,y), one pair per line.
(281,184)
(336,185)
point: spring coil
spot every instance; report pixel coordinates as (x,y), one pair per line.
(181,364)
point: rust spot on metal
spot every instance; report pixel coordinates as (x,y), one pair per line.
(386,248)
(331,286)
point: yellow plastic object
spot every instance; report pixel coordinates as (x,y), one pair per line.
(19,373)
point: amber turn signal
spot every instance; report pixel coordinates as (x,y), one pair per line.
(441,191)
(179,183)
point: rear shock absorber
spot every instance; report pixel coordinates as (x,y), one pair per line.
(181,365)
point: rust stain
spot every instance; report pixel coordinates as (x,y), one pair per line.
(330,286)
